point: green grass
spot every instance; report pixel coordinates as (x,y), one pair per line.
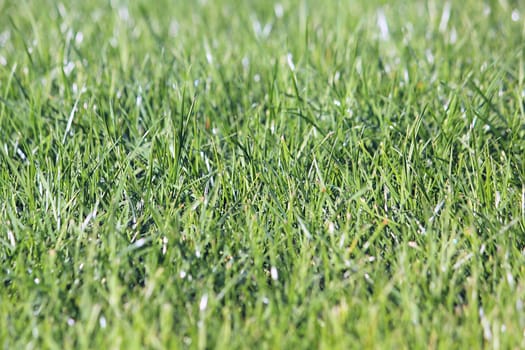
(243,174)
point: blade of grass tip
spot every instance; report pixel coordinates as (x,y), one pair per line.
(22,35)
(70,119)
(490,104)
(185,118)
(152,154)
(182,133)
(21,87)
(310,121)
(291,65)
(103,156)
(9,80)
(243,149)
(275,75)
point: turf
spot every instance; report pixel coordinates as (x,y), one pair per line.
(227,174)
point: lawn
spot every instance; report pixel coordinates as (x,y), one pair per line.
(254,174)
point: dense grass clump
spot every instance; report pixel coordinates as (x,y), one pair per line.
(259,174)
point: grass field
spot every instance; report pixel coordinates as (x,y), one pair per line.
(256,174)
